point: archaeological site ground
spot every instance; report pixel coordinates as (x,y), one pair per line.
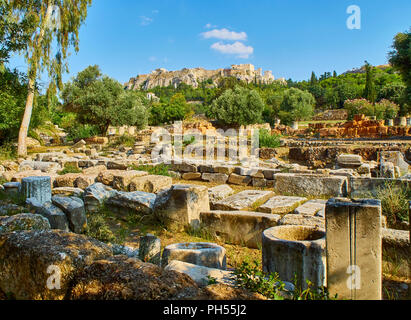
(205,183)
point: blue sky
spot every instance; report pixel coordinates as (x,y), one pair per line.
(290,37)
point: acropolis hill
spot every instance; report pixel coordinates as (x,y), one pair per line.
(163,78)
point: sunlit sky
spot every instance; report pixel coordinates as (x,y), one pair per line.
(291,38)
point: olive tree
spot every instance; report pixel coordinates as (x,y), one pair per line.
(102,101)
(238,106)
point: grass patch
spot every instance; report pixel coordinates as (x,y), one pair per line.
(159,170)
(69,168)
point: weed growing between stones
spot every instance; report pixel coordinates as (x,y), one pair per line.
(250,277)
(201,232)
(69,168)
(124,140)
(394,202)
(98,227)
(159,170)
(211,280)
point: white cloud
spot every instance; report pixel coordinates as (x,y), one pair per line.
(225,34)
(152,59)
(209,26)
(237,48)
(155,11)
(145,21)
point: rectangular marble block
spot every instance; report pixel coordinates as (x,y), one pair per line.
(354,248)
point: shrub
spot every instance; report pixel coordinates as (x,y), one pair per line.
(124,140)
(251,277)
(82,131)
(267,140)
(8,151)
(389,108)
(383,110)
(357,106)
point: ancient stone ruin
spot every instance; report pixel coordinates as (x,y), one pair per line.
(317,219)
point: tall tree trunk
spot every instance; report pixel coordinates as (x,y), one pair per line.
(24,128)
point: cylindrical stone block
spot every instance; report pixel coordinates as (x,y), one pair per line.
(38,188)
(295,251)
(202,254)
(390,122)
(354,248)
(400,122)
(150,249)
(294,125)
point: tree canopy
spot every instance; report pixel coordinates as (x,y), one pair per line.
(400,58)
(238,106)
(101,101)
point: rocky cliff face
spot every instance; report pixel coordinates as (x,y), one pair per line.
(193,77)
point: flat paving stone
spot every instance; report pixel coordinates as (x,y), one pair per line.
(244,200)
(311,208)
(281,204)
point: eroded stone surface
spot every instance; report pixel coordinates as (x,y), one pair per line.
(203,254)
(24,221)
(301,220)
(201,275)
(180,206)
(215,177)
(122,179)
(26,257)
(95,195)
(150,183)
(281,205)
(239,227)
(311,208)
(310,185)
(244,200)
(123,278)
(74,209)
(132,202)
(57,218)
(219,193)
